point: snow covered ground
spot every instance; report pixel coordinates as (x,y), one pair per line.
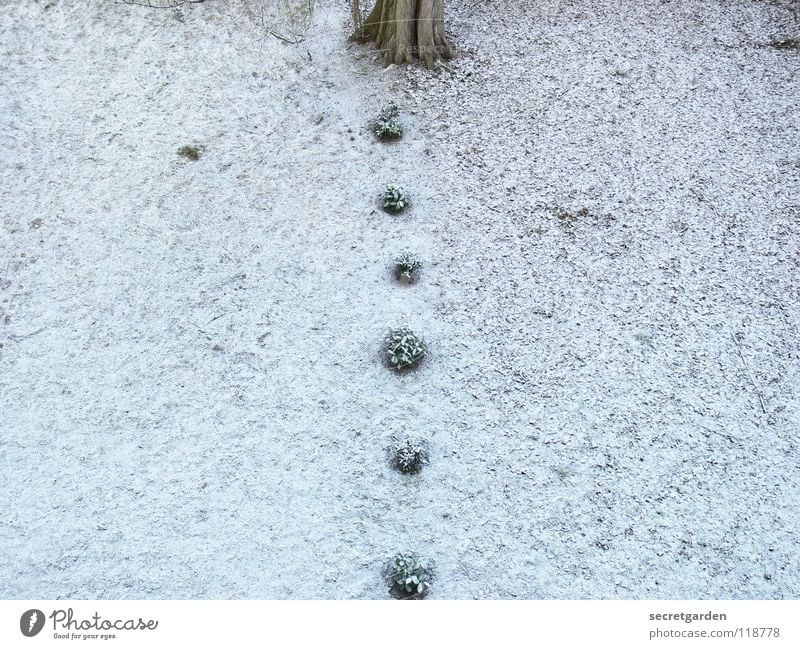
(608,205)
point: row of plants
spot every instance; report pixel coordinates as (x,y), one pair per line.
(410,575)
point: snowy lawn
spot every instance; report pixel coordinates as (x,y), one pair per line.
(607,206)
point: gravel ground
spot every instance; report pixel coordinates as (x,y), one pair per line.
(608,207)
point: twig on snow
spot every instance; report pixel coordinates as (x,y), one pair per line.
(730,438)
(17,339)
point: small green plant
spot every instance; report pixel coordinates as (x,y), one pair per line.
(395,198)
(411,576)
(407,267)
(404,349)
(386,127)
(190,151)
(409,454)
(385,131)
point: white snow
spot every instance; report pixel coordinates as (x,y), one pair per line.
(194,404)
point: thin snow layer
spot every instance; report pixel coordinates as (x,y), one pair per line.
(607,204)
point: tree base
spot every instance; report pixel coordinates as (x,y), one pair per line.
(405,30)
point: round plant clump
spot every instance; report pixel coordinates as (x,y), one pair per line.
(409,454)
(411,576)
(395,199)
(387,131)
(407,267)
(404,349)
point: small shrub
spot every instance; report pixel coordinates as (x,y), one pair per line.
(404,349)
(395,198)
(407,267)
(391,130)
(409,454)
(386,127)
(411,576)
(190,151)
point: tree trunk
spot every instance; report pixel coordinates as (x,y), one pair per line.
(404,29)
